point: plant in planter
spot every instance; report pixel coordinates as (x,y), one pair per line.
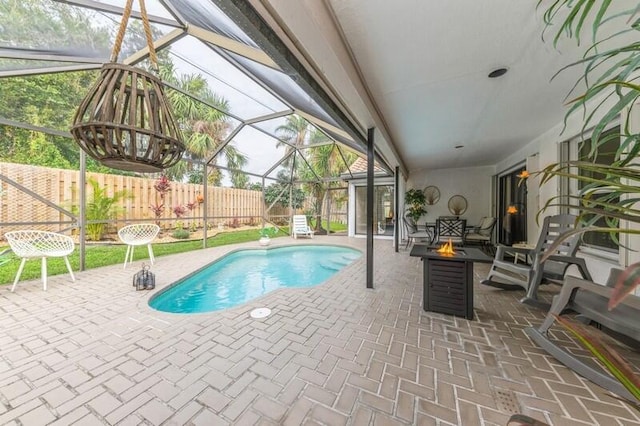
(415,200)
(265,235)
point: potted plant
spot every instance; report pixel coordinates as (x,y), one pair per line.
(415,200)
(265,236)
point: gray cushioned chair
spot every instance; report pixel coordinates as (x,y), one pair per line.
(482,233)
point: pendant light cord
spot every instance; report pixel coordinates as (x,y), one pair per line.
(147,32)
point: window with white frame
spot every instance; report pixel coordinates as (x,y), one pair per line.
(581,150)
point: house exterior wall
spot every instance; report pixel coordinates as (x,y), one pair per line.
(472,183)
(475,185)
(545,149)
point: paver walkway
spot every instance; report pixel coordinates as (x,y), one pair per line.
(92,352)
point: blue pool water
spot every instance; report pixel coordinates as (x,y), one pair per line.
(247,274)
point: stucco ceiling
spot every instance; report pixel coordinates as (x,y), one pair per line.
(424,66)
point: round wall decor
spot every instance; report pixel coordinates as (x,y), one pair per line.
(431,194)
(457,205)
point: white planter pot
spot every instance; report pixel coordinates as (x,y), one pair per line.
(264,241)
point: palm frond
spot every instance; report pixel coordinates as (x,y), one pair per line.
(611,359)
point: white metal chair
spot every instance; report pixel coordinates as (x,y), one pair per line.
(33,244)
(138,234)
(300,226)
(412,232)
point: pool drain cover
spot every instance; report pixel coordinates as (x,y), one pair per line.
(260,313)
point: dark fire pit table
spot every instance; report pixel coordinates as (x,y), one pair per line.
(448,279)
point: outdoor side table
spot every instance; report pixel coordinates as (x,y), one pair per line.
(448,279)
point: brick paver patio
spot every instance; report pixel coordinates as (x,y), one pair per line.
(92,352)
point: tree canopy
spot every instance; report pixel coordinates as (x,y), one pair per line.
(50,100)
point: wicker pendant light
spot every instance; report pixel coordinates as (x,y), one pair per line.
(125,121)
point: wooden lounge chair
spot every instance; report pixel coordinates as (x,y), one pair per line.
(509,275)
(590,301)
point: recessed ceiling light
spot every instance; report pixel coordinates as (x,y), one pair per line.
(459,146)
(499,72)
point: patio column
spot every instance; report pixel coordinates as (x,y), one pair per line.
(83,209)
(396,206)
(370,160)
(263,207)
(205,188)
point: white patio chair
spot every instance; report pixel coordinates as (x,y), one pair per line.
(33,244)
(300,226)
(138,234)
(412,232)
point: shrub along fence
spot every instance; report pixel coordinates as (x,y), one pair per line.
(29,196)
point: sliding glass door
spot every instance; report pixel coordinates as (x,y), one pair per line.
(512,209)
(383,214)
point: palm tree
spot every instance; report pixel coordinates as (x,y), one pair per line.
(294,133)
(325,161)
(322,161)
(319,162)
(204,127)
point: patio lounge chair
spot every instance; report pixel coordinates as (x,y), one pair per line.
(300,227)
(508,275)
(33,244)
(138,234)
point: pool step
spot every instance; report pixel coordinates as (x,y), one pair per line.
(334,264)
(350,257)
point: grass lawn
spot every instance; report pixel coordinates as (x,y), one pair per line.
(103,255)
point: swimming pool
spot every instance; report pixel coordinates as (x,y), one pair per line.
(246,274)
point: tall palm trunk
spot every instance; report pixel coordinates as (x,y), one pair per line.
(319,192)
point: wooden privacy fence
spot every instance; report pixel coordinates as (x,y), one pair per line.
(228,206)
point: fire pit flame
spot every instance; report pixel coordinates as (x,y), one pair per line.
(446,249)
